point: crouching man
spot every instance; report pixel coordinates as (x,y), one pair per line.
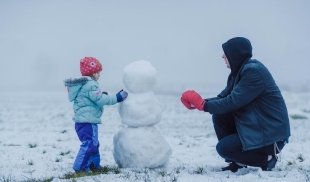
(250,116)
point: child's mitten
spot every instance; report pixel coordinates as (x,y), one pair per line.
(121,95)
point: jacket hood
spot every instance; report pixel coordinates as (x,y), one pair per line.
(74,86)
(237,50)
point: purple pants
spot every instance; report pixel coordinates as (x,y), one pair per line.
(89,150)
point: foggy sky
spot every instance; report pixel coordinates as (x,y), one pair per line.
(42,42)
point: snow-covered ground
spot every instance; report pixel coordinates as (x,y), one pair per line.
(38,142)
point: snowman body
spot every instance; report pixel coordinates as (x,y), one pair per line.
(139,144)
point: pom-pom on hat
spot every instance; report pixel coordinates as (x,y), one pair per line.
(90,66)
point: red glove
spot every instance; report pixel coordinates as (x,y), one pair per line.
(187,104)
(192,99)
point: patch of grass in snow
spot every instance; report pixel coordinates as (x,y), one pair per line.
(147,174)
(12,145)
(298,116)
(10,179)
(64,131)
(102,170)
(30,162)
(39,180)
(306,110)
(199,170)
(163,173)
(65,153)
(179,169)
(300,158)
(167,175)
(307,174)
(32,145)
(290,163)
(6,179)
(58,159)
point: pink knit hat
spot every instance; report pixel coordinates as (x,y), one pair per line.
(90,66)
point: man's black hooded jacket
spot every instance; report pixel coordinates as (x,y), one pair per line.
(253,98)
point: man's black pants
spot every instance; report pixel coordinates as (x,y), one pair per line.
(230,148)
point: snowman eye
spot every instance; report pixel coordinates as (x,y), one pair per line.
(92,64)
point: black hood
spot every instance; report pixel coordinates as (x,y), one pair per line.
(237,50)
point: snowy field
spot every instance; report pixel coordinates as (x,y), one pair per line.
(38,143)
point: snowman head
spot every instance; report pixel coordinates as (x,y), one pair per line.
(139,76)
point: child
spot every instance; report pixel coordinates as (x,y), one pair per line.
(88,102)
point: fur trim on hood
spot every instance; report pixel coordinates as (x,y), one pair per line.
(74,86)
(76,81)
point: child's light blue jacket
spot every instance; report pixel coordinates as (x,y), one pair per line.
(88,100)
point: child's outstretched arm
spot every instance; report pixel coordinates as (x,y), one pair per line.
(101,99)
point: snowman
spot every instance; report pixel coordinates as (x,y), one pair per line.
(139,144)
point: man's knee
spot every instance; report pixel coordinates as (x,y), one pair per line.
(229,146)
(221,149)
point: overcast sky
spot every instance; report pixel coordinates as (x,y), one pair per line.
(42,42)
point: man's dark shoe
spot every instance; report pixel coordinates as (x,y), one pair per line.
(233,167)
(270,164)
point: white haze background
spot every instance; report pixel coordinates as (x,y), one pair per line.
(41,42)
